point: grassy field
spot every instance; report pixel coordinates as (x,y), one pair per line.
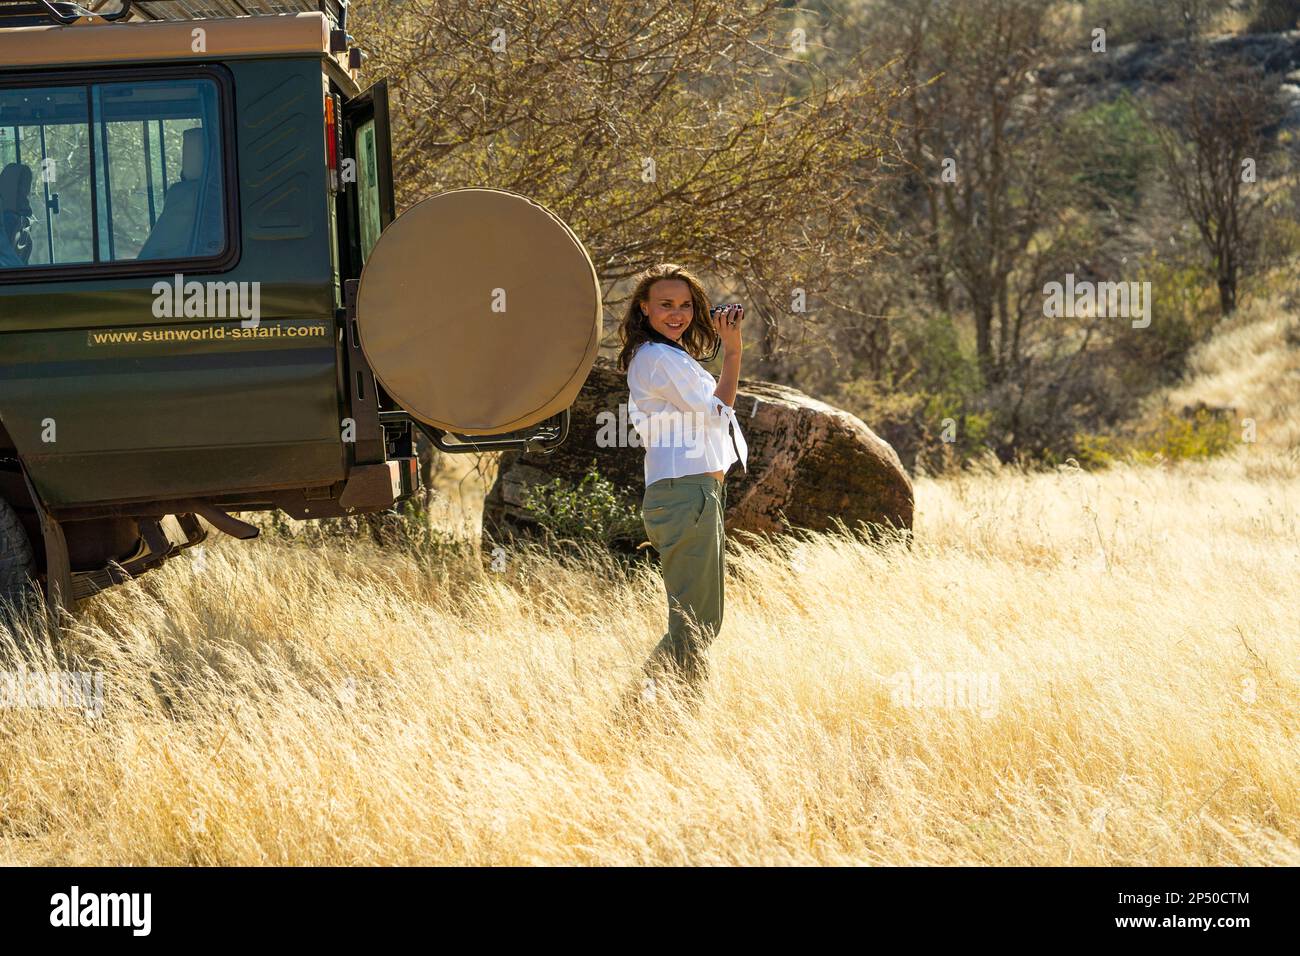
(1066,668)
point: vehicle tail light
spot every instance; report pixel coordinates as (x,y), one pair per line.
(332,141)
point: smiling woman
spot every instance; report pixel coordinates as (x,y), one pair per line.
(686,424)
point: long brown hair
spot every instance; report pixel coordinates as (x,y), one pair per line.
(700,340)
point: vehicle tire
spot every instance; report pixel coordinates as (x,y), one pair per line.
(17,565)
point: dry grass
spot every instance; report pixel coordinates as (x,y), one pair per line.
(285,705)
(279,704)
(1251,364)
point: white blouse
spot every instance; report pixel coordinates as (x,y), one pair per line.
(682,425)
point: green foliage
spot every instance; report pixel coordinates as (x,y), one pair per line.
(590,511)
(1170,437)
(947,379)
(874,401)
(1184,309)
(1091,450)
(1204,436)
(1112,148)
(977,428)
(947,417)
(1282,235)
(940,364)
(406,528)
(934,381)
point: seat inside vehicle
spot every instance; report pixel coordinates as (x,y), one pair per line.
(172,236)
(15,215)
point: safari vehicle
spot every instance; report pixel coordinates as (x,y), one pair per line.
(208,305)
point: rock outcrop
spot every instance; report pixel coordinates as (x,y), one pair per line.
(809,463)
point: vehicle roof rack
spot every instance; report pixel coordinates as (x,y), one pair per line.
(36,12)
(15,13)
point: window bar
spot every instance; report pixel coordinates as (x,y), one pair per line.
(94,180)
(108,180)
(162,151)
(148,170)
(49,206)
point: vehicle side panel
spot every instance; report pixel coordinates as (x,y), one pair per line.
(140,407)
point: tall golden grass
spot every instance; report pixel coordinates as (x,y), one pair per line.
(276,703)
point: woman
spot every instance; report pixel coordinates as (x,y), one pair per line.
(689,430)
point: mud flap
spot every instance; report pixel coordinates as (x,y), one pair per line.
(58,565)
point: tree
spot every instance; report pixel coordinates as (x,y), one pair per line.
(692,131)
(1213,124)
(985,183)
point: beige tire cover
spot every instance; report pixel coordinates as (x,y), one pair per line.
(426,319)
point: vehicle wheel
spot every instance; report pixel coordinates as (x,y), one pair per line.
(17,565)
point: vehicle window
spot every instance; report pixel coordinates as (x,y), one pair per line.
(368,186)
(111,172)
(45,212)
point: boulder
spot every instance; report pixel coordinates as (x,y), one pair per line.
(809,463)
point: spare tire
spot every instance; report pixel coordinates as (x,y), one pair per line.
(479,312)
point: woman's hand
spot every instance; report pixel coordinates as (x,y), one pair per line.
(727,323)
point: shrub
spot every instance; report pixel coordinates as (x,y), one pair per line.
(406,527)
(932,378)
(1113,148)
(1170,437)
(1203,436)
(1183,311)
(590,511)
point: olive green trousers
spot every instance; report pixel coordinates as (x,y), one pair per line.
(683,518)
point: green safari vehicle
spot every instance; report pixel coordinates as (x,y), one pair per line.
(208,304)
